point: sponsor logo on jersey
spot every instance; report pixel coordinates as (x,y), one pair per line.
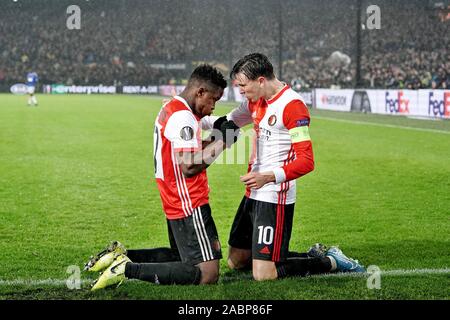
(272,120)
(187,133)
(302,122)
(263,134)
(265,250)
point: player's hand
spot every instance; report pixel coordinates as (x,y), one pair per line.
(230,132)
(218,123)
(256,180)
(225,130)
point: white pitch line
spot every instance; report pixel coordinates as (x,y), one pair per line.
(44,282)
(381,125)
(400,272)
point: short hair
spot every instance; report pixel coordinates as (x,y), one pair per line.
(253,65)
(208,74)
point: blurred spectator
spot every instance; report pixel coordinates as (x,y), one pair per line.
(136,41)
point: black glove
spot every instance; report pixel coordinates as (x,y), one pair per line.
(230,132)
(219,122)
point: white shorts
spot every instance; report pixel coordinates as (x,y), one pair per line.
(30,89)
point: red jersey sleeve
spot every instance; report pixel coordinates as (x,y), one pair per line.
(296,119)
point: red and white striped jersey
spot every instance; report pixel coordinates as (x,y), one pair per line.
(178,129)
(282,143)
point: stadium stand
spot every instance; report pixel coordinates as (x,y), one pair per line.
(139,42)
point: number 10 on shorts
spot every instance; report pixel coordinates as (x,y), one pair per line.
(265,235)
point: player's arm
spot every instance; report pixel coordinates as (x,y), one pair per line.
(193,162)
(296,119)
(241,115)
(226,127)
(194,155)
(208,122)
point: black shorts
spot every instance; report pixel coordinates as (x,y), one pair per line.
(195,236)
(263,227)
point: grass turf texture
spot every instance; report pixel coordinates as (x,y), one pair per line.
(77,172)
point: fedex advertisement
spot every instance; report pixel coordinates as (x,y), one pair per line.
(417,103)
(435,103)
(399,101)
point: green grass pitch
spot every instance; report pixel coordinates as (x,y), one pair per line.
(77,172)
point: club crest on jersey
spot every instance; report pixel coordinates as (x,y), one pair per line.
(272,120)
(187,133)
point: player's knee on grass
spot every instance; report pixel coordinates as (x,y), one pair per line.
(236,265)
(264,270)
(210,272)
(239,259)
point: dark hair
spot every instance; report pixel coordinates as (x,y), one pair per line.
(253,65)
(208,74)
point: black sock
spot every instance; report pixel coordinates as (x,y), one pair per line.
(303,267)
(292,254)
(153,255)
(164,273)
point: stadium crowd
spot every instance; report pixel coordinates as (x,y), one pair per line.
(158,42)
